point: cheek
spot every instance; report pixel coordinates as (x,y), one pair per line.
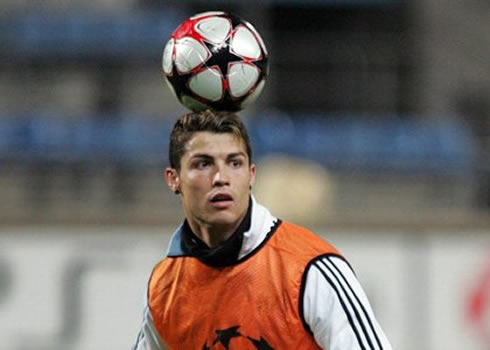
(247,179)
(196,182)
(242,186)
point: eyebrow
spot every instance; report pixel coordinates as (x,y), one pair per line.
(208,156)
(236,154)
(201,155)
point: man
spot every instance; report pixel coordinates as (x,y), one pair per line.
(235,276)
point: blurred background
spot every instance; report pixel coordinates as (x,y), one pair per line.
(373,130)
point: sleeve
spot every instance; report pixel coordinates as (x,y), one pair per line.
(336,309)
(148,337)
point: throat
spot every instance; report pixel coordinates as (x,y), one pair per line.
(214,236)
(216,247)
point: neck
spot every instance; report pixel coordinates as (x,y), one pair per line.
(213,235)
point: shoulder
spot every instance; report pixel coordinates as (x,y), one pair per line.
(174,250)
(302,240)
(160,273)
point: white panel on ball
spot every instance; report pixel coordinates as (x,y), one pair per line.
(167,56)
(215,29)
(244,44)
(207,41)
(259,38)
(242,77)
(189,54)
(253,96)
(207,84)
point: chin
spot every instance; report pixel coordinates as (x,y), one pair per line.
(223,218)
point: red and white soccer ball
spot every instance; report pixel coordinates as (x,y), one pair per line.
(215,60)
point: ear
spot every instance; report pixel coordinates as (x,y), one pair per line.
(252,175)
(173,180)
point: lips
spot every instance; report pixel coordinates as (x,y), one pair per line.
(221,200)
(221,197)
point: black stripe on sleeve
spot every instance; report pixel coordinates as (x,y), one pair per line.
(343,301)
(342,293)
(364,311)
(331,272)
(303,287)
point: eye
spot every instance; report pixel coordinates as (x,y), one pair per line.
(236,163)
(201,164)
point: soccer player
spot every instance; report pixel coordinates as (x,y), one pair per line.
(235,276)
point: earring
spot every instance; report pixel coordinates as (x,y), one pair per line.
(177,191)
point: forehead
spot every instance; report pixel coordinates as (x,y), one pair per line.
(205,142)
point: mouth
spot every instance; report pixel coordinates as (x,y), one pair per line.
(221,200)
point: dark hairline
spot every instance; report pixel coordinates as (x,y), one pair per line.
(242,152)
(206,121)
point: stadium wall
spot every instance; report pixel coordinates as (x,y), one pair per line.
(82,288)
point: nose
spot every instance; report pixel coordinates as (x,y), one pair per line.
(220,177)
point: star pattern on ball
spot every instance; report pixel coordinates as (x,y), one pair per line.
(221,56)
(206,62)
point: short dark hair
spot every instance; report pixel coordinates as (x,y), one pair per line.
(208,120)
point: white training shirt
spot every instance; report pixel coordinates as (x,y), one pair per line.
(335,307)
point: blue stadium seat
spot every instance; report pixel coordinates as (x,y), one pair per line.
(342,143)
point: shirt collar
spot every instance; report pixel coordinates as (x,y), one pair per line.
(224,254)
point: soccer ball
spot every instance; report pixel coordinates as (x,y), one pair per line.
(215,60)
